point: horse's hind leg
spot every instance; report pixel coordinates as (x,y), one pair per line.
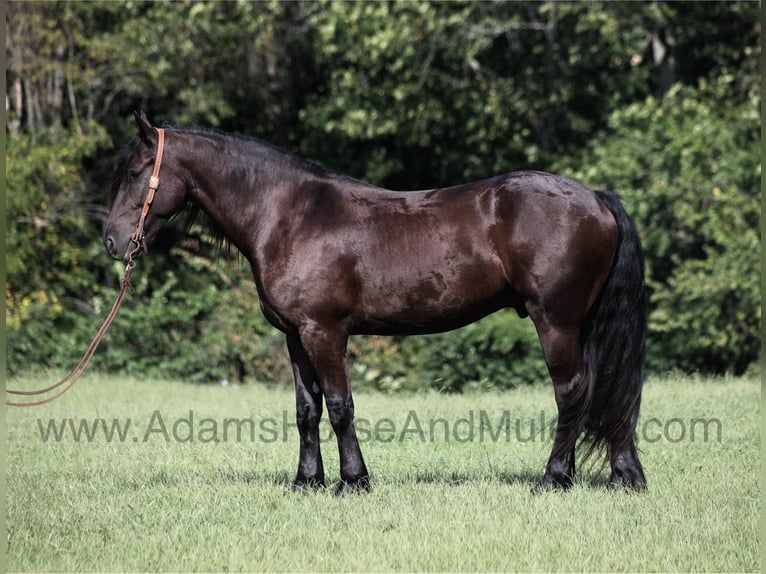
(561,348)
(627,471)
(308,404)
(326,349)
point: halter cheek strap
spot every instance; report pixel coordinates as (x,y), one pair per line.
(154,183)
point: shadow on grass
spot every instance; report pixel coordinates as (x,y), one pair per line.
(282,478)
(527,478)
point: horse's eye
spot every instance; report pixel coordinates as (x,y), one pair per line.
(134,174)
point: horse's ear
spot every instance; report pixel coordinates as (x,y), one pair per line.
(145,130)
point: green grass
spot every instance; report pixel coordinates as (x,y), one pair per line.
(157,505)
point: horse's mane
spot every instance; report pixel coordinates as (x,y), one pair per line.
(193,214)
(274,152)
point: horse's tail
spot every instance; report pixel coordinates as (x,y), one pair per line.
(613,344)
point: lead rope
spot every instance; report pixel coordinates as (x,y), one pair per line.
(137,238)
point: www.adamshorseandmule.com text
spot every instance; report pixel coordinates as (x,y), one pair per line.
(475,426)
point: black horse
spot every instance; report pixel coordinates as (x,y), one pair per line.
(333,256)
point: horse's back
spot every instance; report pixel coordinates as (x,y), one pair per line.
(426,261)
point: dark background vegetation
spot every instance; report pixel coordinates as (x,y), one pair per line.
(657,101)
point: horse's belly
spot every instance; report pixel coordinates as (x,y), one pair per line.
(441,300)
(423,324)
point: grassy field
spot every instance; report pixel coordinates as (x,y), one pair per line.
(175,488)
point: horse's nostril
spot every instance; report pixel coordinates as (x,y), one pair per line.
(109,245)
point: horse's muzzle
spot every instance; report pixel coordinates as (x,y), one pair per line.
(121,252)
(110,247)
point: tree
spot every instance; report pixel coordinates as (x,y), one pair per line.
(428,94)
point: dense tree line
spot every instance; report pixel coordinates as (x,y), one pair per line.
(658,101)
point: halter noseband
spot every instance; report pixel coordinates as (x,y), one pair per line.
(154,182)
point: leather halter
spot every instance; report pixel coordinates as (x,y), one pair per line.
(154,182)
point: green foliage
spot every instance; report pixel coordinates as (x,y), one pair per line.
(499,352)
(658,101)
(688,168)
(503,79)
(207,328)
(50,251)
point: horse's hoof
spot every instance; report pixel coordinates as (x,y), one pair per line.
(308,484)
(358,486)
(628,480)
(550,484)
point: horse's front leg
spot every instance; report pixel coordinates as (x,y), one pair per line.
(308,403)
(326,348)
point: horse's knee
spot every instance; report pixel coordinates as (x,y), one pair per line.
(340,409)
(308,414)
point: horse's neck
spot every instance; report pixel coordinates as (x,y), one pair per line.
(238,182)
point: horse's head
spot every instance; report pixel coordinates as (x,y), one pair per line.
(129,188)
